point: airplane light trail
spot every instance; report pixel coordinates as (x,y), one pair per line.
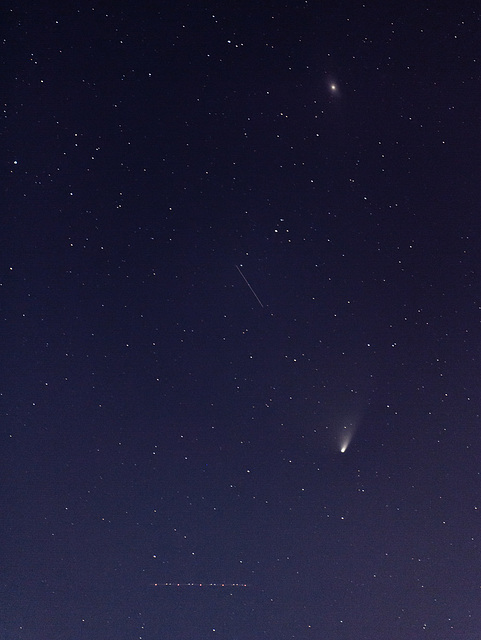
(197,584)
(247,283)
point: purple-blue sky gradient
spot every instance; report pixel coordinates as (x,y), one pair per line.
(238,238)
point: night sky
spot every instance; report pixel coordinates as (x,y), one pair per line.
(241,306)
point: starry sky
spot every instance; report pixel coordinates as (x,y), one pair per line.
(241,320)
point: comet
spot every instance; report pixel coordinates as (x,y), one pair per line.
(346,435)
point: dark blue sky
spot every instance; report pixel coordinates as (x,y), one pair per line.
(236,237)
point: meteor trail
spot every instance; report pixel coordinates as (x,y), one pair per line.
(247,283)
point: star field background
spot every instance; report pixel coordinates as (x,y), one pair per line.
(161,425)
